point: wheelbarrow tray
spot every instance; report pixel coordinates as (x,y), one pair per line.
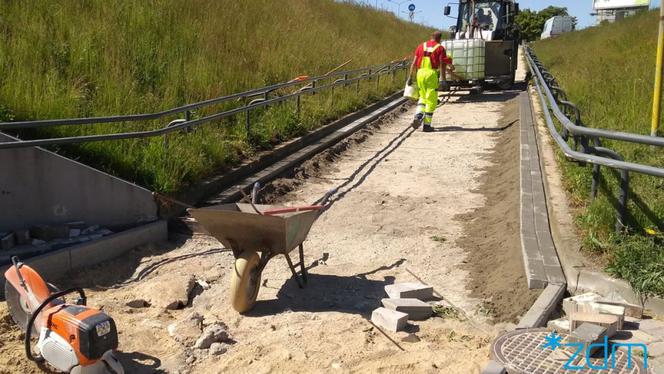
(239,227)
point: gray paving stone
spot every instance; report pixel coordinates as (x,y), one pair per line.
(409,290)
(588,333)
(416,309)
(388,319)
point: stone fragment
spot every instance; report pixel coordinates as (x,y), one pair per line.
(409,290)
(388,319)
(217,349)
(559,325)
(605,320)
(22,236)
(74,233)
(171,292)
(588,334)
(7,240)
(214,333)
(49,232)
(90,229)
(138,303)
(410,338)
(416,309)
(187,329)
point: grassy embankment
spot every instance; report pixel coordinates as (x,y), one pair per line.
(76,58)
(608,72)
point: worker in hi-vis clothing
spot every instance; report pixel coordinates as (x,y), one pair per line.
(430,59)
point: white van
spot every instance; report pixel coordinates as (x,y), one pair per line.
(557,25)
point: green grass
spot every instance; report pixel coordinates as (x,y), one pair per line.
(76,58)
(608,71)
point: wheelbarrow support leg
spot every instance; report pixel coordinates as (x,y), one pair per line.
(292,268)
(303,269)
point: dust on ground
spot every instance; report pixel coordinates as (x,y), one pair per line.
(402,210)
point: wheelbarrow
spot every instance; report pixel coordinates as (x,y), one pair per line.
(256,234)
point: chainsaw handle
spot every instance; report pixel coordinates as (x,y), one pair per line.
(31,321)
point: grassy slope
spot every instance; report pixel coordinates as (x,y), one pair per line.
(73,58)
(608,71)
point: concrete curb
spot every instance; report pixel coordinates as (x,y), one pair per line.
(309,148)
(54,265)
(546,303)
(580,278)
(209,189)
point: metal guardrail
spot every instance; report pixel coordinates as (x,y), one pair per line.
(587,139)
(260,98)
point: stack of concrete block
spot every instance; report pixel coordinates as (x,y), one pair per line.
(43,238)
(406,301)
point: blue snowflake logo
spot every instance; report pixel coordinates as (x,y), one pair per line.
(552,341)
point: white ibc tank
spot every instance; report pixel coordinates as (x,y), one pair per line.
(468,57)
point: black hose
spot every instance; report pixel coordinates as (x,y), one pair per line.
(31,321)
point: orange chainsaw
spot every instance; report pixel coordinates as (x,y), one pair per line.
(73,338)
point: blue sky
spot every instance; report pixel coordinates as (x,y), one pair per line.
(431,11)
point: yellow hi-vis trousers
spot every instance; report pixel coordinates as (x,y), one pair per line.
(427,82)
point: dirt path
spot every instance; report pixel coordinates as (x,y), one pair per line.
(405,205)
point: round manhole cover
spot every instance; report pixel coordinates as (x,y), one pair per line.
(535,352)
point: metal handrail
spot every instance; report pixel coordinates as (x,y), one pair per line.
(181,124)
(590,154)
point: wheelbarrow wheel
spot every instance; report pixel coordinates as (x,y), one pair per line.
(245,281)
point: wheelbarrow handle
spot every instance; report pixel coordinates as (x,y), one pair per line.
(273,212)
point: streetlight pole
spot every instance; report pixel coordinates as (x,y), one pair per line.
(403,2)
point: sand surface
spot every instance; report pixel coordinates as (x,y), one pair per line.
(406,206)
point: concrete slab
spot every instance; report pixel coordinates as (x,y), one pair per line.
(409,290)
(416,309)
(388,319)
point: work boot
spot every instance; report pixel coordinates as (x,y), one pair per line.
(427,128)
(417,121)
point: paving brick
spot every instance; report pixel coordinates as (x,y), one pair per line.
(7,241)
(606,320)
(588,333)
(388,319)
(409,290)
(416,309)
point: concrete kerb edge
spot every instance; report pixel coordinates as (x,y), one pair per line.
(211,187)
(232,193)
(579,278)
